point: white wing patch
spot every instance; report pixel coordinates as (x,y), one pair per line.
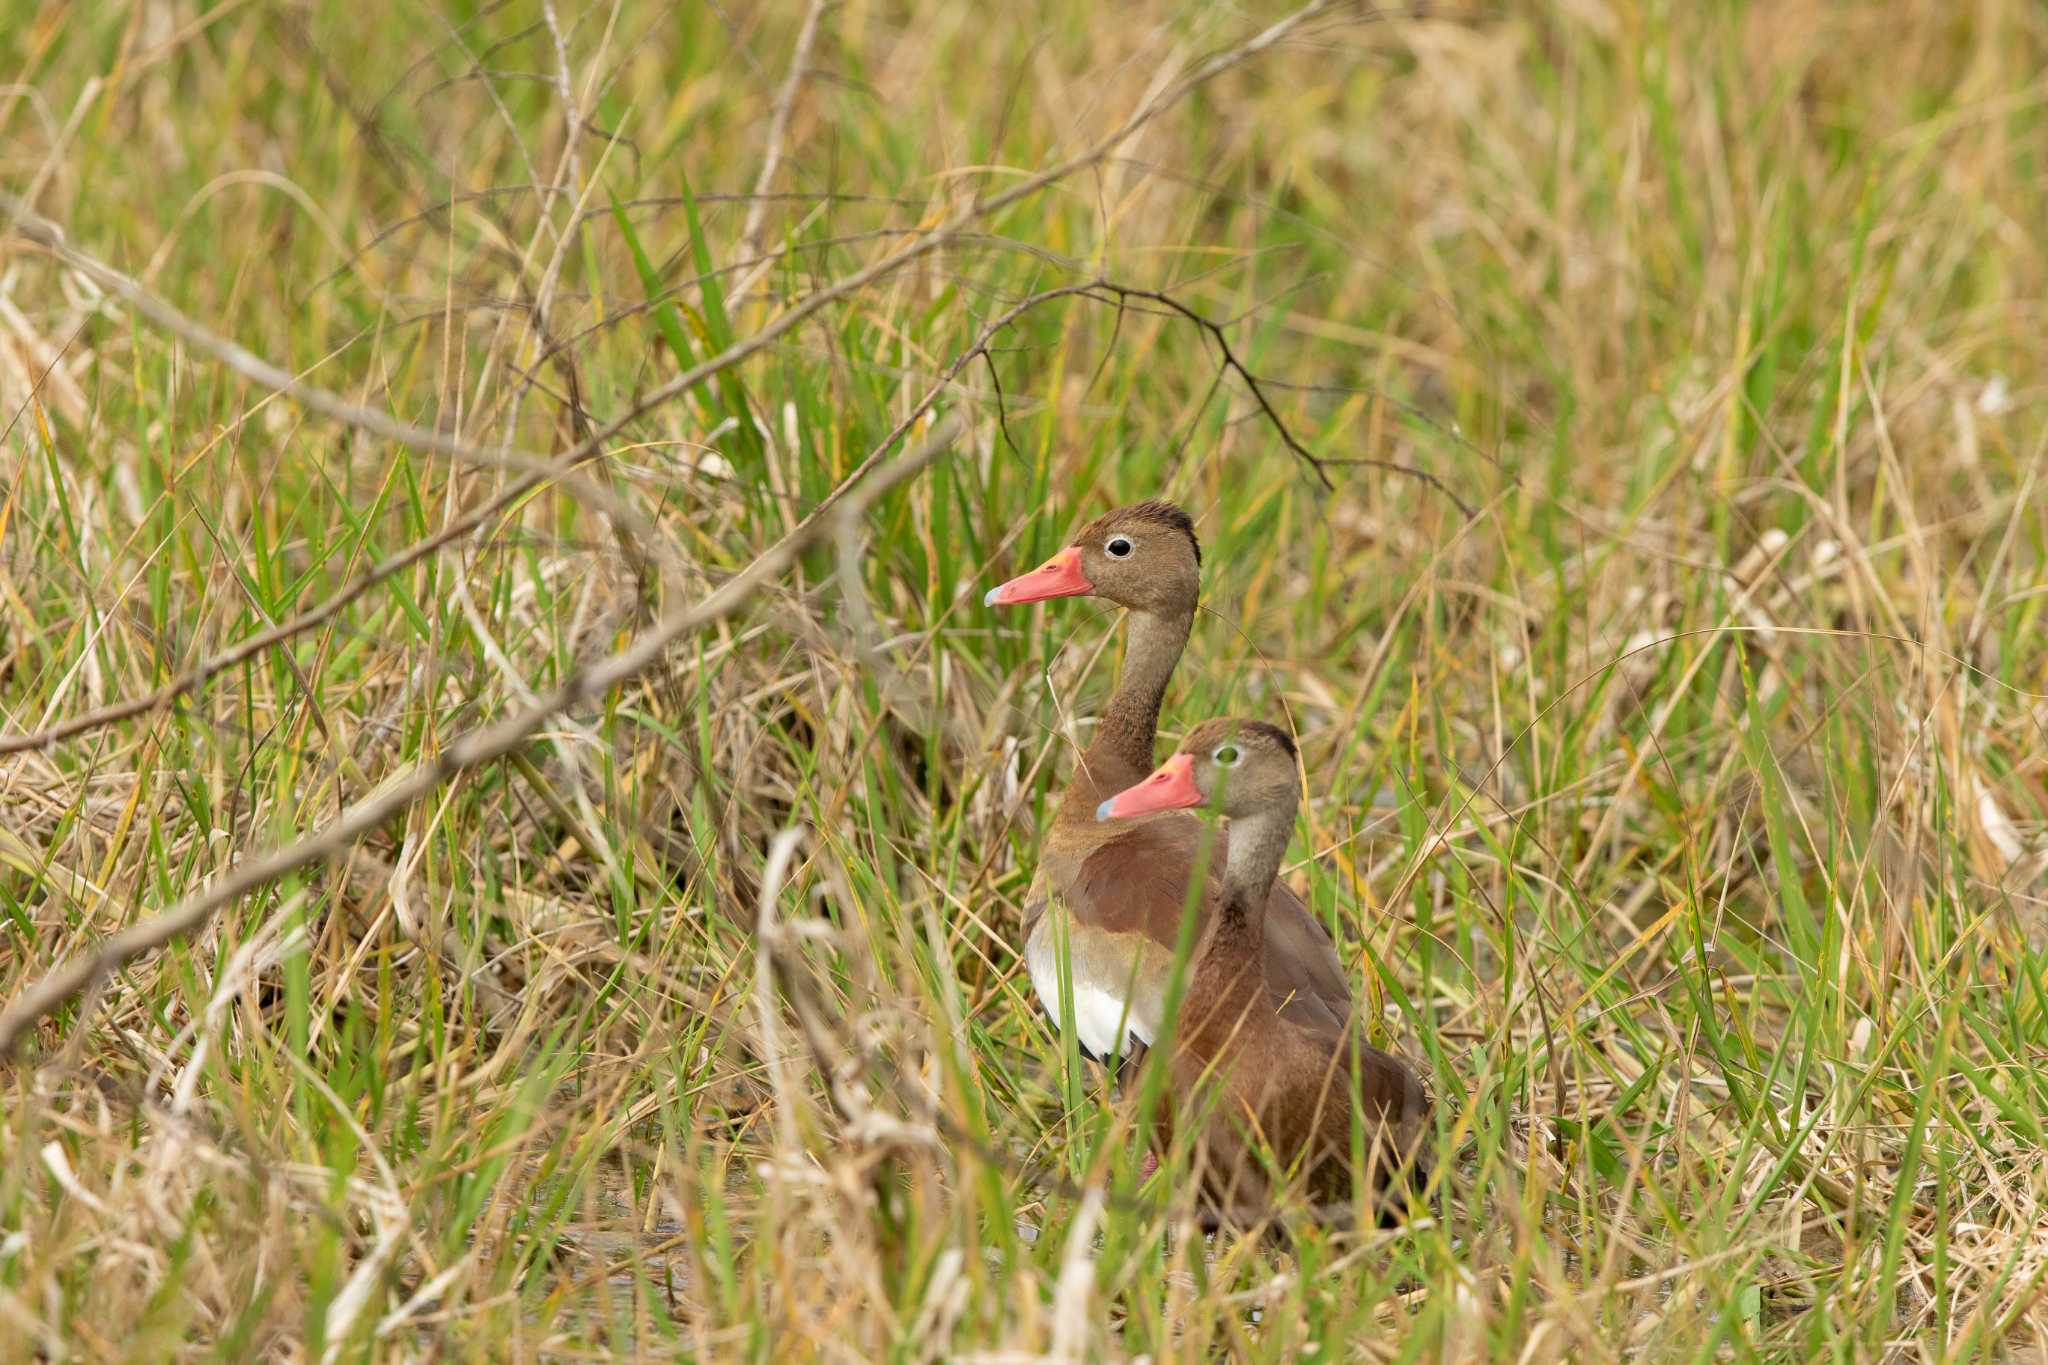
(1105,1022)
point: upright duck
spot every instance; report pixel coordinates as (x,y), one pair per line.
(1279,1079)
(1113,895)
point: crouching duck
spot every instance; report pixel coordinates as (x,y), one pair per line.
(1298,1085)
(1104,911)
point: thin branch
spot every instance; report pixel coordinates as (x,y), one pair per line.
(565,87)
(778,130)
(444,207)
(1321,466)
(1002,411)
(472,749)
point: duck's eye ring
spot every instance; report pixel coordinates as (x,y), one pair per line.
(1119,547)
(1226,756)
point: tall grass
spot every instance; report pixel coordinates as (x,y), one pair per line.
(1681,811)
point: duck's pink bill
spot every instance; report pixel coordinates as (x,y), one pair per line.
(1171,788)
(1059,576)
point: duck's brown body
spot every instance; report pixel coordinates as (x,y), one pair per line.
(1302,1088)
(1298,1090)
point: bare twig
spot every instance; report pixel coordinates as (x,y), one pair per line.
(1319,465)
(771,159)
(566,89)
(472,749)
(447,205)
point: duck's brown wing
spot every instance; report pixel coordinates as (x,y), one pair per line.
(1135,881)
(1303,971)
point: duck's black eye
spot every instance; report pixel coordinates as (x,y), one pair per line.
(1225,756)
(1119,547)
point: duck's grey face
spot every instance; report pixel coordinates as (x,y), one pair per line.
(1236,766)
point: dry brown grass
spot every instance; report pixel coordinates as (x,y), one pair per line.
(1682,811)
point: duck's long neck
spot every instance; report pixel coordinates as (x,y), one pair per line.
(1231,974)
(1129,723)
(1257,844)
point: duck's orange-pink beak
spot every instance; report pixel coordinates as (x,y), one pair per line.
(1059,576)
(1171,788)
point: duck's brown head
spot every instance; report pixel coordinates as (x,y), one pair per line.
(1241,767)
(1144,557)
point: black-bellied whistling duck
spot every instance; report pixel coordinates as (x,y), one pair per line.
(1283,1081)
(1115,893)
